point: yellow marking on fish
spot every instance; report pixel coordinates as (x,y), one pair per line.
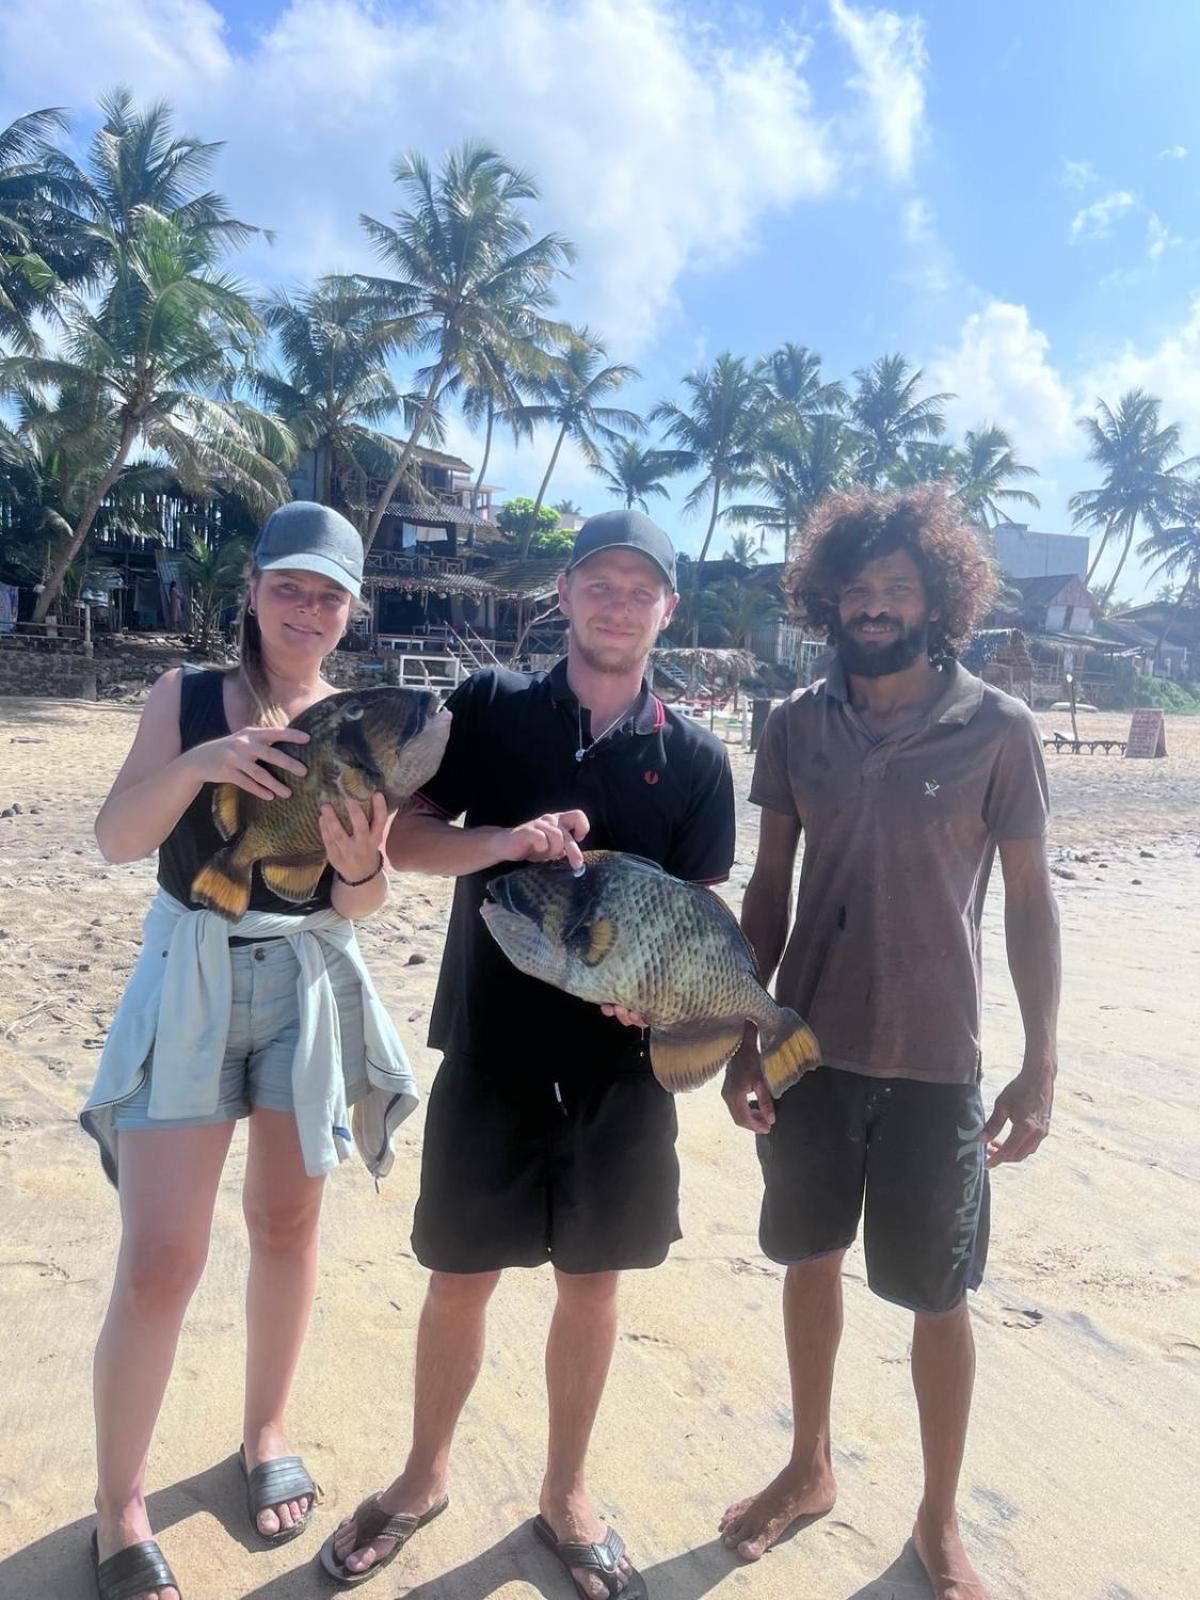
(603,937)
(223,886)
(355,785)
(688,1055)
(225,809)
(292,880)
(795,1054)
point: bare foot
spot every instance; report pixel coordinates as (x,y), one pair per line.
(416,1498)
(574,1520)
(752,1526)
(269,1445)
(951,1575)
(130,1526)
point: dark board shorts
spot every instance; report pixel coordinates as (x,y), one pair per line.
(902,1154)
(527,1163)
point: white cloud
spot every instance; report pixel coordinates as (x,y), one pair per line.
(1000,372)
(1159,237)
(659,147)
(934,270)
(1173,152)
(1078,174)
(1095,221)
(1170,370)
(889,51)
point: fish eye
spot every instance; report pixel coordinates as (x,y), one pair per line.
(354,712)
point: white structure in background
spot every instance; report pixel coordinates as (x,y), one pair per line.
(1021,553)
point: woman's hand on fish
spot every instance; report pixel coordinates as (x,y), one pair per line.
(239,759)
(551,837)
(355,852)
(631,1019)
(745,1089)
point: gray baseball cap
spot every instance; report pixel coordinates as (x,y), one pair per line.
(625,530)
(306,537)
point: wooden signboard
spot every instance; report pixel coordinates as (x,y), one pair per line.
(1147,733)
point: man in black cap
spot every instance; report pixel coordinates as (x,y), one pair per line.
(547,1138)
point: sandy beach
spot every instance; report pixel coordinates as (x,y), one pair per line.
(1088,1325)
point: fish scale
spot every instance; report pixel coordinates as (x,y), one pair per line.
(629,934)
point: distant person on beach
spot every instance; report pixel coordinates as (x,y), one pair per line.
(174,607)
(272,1018)
(905,774)
(548,1140)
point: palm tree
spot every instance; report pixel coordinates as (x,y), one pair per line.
(491,390)
(470,274)
(43,241)
(635,474)
(215,575)
(889,414)
(1142,475)
(799,464)
(985,472)
(741,549)
(1177,549)
(335,391)
(567,508)
(792,377)
(720,432)
(569,399)
(149,362)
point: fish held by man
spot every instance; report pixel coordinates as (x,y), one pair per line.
(629,934)
(361,742)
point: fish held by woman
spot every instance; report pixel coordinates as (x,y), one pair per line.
(361,742)
(627,933)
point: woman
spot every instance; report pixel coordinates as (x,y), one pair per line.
(218,1022)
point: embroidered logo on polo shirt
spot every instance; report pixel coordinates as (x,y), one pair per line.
(649,776)
(931,788)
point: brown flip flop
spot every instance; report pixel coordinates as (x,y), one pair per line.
(601,1559)
(371,1522)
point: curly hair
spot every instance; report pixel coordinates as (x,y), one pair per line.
(847,530)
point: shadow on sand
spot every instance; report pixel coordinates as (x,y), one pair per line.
(60,1563)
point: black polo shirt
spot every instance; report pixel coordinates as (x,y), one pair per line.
(658,786)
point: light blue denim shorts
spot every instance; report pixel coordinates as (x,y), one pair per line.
(264,1025)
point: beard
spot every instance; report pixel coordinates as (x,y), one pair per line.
(862,659)
(606,659)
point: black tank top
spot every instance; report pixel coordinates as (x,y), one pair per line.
(194,839)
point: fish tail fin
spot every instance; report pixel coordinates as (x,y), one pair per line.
(790,1049)
(223,886)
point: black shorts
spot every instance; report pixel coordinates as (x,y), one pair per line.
(903,1154)
(527,1163)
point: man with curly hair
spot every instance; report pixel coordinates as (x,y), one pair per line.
(905,774)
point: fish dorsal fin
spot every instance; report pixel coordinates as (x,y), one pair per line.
(225,809)
(690,1053)
(622,858)
(293,880)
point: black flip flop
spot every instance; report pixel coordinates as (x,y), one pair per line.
(272,1484)
(602,1559)
(134,1570)
(371,1522)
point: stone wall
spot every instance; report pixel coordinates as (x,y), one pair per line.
(50,673)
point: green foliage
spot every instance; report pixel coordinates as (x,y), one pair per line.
(519,518)
(1165,692)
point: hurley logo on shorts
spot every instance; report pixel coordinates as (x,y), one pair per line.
(931,788)
(970,1161)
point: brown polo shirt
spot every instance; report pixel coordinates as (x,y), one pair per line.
(900,832)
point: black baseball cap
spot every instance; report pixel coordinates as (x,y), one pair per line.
(625,530)
(306,537)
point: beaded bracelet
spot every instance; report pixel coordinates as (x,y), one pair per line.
(357,883)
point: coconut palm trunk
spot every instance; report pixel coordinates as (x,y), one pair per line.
(406,454)
(487,451)
(1104,538)
(527,536)
(83,527)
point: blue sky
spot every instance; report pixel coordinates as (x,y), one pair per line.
(1007,193)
